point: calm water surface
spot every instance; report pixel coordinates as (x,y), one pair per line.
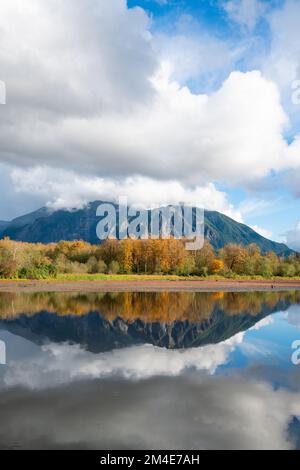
(150,370)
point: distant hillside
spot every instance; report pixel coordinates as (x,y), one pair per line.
(27,219)
(221,230)
(45,226)
(3,225)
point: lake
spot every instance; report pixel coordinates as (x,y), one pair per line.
(165,370)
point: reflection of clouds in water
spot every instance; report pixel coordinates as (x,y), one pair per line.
(258,348)
(294,316)
(262,323)
(161,412)
(144,400)
(62,363)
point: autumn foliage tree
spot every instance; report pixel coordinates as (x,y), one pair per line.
(152,256)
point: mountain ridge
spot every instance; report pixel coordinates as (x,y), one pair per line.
(46,226)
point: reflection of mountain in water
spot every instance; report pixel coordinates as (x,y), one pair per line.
(97,334)
(205,318)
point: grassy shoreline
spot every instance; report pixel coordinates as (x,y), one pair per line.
(154,277)
(163,277)
(131,283)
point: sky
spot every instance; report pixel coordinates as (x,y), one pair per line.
(162,101)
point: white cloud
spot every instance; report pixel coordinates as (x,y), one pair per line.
(179,136)
(245,12)
(94,97)
(293,237)
(74,59)
(262,323)
(68,190)
(284,59)
(194,54)
(12,203)
(262,231)
(294,316)
(282,64)
(257,206)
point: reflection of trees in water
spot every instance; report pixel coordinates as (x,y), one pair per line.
(251,302)
(163,307)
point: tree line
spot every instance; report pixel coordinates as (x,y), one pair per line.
(41,261)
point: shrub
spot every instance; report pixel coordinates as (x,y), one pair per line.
(114,267)
(102,267)
(188,267)
(8,258)
(92,265)
(217,266)
(203,271)
(42,271)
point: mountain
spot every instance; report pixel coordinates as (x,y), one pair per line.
(221,230)
(47,226)
(27,219)
(3,225)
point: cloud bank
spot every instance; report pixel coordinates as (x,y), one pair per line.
(94,96)
(99,98)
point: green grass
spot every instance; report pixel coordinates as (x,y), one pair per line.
(161,277)
(154,277)
(119,277)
